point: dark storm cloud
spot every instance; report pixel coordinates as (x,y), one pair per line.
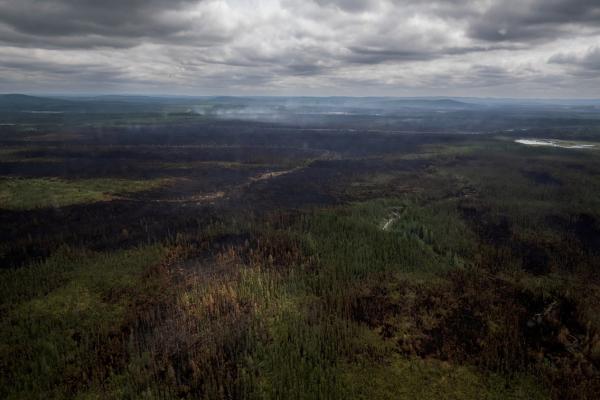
(590,60)
(443,7)
(305,69)
(9,36)
(82,71)
(370,55)
(349,5)
(113,18)
(374,55)
(527,20)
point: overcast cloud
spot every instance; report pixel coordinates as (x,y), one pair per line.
(516,48)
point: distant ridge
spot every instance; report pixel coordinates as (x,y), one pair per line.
(12,102)
(19,102)
(22,103)
(433,103)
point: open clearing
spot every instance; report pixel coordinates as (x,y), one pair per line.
(26,194)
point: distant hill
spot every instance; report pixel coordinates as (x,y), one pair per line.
(11,103)
(431,104)
(384,104)
(273,105)
(21,102)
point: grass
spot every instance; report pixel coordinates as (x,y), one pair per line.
(31,193)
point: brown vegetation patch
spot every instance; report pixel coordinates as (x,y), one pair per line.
(488,322)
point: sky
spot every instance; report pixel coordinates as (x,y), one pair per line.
(495,48)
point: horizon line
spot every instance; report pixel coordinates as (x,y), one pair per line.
(166,95)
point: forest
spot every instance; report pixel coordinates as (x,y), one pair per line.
(152,252)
